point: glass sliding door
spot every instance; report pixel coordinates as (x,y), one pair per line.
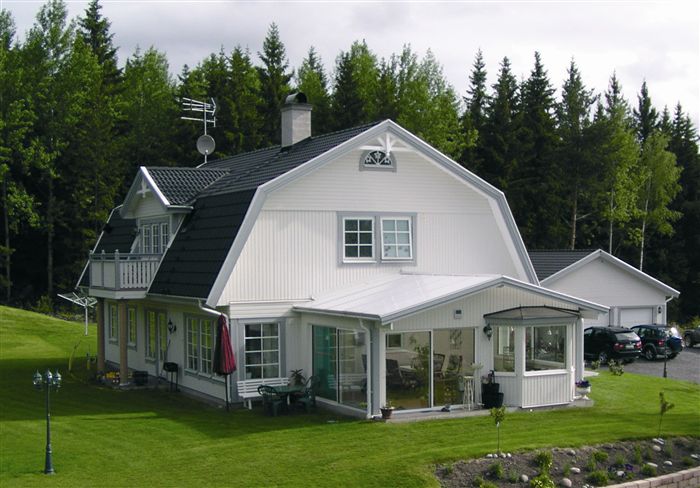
(408,369)
(453,354)
(325,361)
(340,363)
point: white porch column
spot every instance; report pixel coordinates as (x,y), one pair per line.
(578,346)
(380,371)
(123,338)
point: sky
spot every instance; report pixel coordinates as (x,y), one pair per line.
(656,41)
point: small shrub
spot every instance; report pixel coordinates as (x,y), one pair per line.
(448,469)
(543,459)
(496,470)
(648,454)
(668,449)
(687,461)
(591,465)
(595,365)
(619,460)
(598,478)
(513,477)
(600,456)
(648,470)
(542,481)
(44,305)
(637,457)
(480,482)
(616,368)
(566,471)
(664,406)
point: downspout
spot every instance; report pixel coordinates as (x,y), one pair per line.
(665,314)
(368,353)
(211,311)
(206,309)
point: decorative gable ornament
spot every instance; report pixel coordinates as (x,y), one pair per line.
(378,159)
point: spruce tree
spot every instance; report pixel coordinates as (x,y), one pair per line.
(645,115)
(95,31)
(347,104)
(246,92)
(474,118)
(274,84)
(313,82)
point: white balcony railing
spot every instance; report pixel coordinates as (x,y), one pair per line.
(115,271)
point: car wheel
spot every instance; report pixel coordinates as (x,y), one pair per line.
(671,356)
(603,357)
(650,353)
(628,360)
(688,341)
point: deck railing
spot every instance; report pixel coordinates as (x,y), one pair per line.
(115,271)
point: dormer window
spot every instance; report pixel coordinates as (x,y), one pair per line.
(154,237)
(377,160)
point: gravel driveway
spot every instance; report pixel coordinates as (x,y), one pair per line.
(685,366)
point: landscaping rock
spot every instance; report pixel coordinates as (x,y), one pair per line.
(656,448)
(695,456)
(571,452)
(576,470)
(565,482)
(659,440)
(489,455)
(524,478)
(668,463)
(509,455)
(620,474)
(653,465)
(503,455)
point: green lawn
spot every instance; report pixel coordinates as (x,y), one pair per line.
(104,437)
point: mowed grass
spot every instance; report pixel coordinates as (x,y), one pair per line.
(104,437)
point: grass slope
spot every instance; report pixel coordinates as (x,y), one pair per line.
(105,437)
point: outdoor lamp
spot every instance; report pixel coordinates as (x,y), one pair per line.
(171,327)
(49,380)
(488,330)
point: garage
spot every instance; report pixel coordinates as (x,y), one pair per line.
(636,316)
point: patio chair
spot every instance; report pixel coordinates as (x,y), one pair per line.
(307,397)
(273,402)
(438,363)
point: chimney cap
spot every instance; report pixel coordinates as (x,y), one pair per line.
(294,98)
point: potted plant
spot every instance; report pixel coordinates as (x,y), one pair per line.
(583,388)
(387,409)
(296,377)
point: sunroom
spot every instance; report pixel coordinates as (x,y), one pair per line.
(424,342)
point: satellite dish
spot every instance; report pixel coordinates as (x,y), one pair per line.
(206,144)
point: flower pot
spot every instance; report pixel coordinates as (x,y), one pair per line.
(583,392)
(386,412)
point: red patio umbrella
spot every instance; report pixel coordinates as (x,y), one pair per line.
(224,360)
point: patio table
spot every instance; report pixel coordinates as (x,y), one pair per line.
(289,390)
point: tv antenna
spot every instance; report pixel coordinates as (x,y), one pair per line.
(205,142)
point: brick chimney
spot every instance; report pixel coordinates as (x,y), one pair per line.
(296,119)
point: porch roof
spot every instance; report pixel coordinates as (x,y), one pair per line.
(394,297)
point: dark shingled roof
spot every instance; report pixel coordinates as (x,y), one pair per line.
(194,259)
(181,185)
(548,262)
(253,169)
(117,234)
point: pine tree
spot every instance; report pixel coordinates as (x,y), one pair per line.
(578,168)
(347,104)
(499,140)
(246,91)
(535,189)
(94,30)
(274,84)
(313,82)
(645,115)
(474,118)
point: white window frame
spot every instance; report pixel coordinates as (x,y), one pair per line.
(530,329)
(131,327)
(155,236)
(396,233)
(358,245)
(113,326)
(199,357)
(262,349)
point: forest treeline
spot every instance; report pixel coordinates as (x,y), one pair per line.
(580,169)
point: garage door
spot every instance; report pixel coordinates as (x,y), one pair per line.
(636,316)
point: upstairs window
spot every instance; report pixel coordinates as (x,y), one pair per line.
(358,238)
(396,239)
(377,160)
(154,237)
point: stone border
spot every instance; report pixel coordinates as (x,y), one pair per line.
(689,478)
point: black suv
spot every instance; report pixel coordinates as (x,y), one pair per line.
(603,343)
(659,340)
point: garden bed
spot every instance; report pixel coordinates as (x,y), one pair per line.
(601,465)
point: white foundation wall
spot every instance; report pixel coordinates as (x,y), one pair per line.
(294,252)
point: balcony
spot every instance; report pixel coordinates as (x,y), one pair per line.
(114,272)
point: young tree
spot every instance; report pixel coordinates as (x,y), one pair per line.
(313,82)
(578,168)
(659,178)
(274,84)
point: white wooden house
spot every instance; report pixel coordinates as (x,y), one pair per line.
(634,297)
(365,257)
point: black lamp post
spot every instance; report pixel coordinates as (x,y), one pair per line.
(47,381)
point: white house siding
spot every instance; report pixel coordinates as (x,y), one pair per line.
(176,351)
(148,207)
(607,284)
(293,250)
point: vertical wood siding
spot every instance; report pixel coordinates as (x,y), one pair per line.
(551,389)
(293,250)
